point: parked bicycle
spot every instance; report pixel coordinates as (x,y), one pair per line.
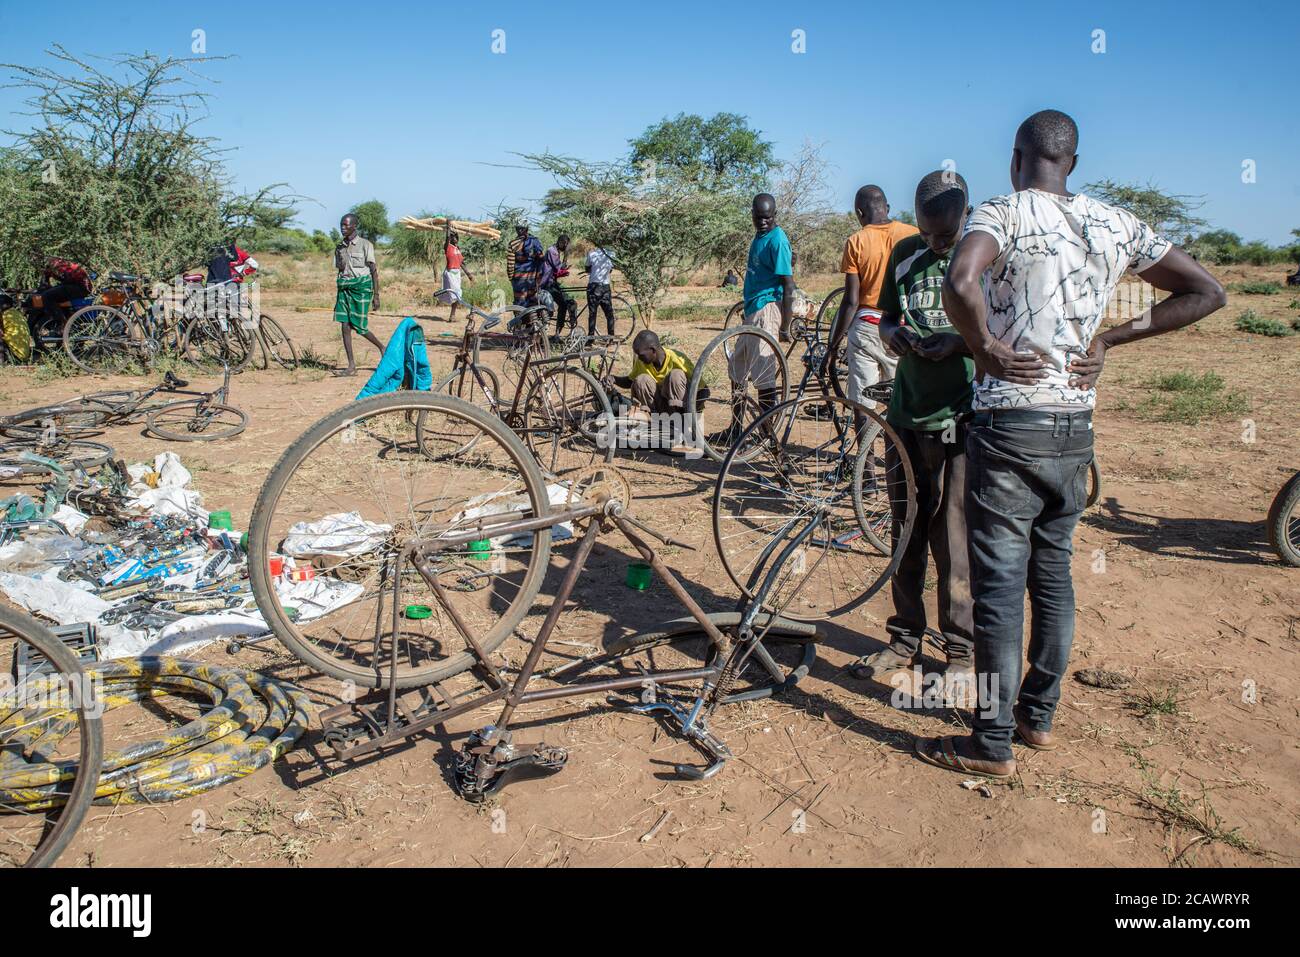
(125,326)
(558,407)
(204,417)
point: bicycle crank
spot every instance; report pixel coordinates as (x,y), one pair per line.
(489,757)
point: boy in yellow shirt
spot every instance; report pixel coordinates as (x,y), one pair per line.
(659,375)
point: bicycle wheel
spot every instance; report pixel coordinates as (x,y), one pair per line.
(567,422)
(727,377)
(735,316)
(871,488)
(76,418)
(276,346)
(1284,522)
(206,342)
(358,498)
(784,520)
(102,340)
(475,384)
(196,420)
(44,796)
(830,308)
(624,308)
(68,454)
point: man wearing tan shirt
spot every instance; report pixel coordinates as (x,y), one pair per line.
(864,264)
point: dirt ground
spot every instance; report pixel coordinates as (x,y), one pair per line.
(1196,762)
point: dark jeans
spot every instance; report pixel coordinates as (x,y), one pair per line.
(598,298)
(565,306)
(1027,486)
(939,469)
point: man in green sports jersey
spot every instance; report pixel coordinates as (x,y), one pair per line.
(932,394)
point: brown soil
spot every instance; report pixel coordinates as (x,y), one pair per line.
(1183,766)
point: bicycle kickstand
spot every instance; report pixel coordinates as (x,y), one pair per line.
(692,725)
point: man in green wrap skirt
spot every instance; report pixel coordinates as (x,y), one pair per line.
(358,288)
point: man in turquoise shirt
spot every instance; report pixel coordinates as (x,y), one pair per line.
(769,296)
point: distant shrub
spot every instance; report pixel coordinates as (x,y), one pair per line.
(1187,398)
(1257,325)
(1256,287)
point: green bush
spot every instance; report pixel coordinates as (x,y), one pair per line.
(1187,398)
(1256,287)
(1257,325)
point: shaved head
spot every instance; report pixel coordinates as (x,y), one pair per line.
(763,212)
(871,206)
(941,193)
(1050,135)
(646,339)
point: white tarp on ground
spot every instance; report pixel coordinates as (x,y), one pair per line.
(341,535)
(494,503)
(66,604)
(29,576)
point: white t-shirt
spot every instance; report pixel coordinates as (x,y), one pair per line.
(1059,260)
(599,266)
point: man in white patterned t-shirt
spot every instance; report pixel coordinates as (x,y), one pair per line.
(1027,288)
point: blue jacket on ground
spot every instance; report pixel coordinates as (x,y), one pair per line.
(404,365)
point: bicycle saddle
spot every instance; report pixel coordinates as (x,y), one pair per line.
(123,277)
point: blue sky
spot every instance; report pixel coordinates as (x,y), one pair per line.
(413,93)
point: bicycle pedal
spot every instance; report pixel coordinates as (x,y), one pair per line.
(484,766)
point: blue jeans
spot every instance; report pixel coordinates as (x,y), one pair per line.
(1027,486)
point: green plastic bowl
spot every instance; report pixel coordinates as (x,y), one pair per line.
(221,520)
(639,575)
(480,549)
(417,611)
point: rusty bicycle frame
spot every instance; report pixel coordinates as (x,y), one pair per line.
(385,718)
(467,359)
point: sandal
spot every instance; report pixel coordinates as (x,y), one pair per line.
(942,753)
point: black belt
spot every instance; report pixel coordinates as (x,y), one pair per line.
(1058,423)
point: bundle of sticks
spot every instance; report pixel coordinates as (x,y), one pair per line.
(464,226)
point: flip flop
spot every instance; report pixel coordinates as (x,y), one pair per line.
(942,753)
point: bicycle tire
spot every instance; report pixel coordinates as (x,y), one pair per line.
(78,417)
(735,316)
(276,344)
(859,473)
(90,347)
(204,342)
(316,435)
(1284,522)
(226,431)
(70,454)
(693,386)
(86,770)
(532,407)
(831,304)
(789,413)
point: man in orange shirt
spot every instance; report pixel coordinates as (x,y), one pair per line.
(866,256)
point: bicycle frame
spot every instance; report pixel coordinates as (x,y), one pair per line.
(490,752)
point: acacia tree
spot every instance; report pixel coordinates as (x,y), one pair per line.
(112,172)
(658,229)
(719,153)
(1166,213)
